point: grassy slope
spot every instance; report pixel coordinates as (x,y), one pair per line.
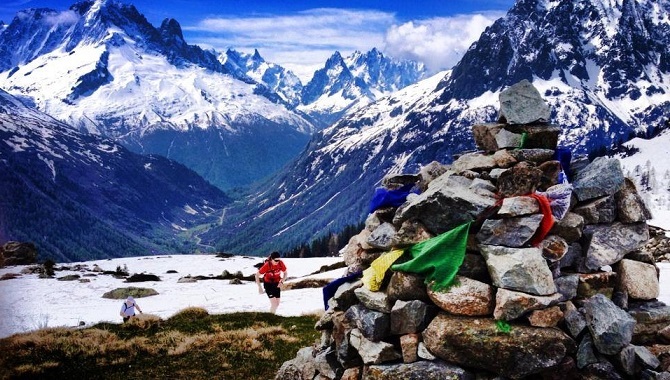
(190,345)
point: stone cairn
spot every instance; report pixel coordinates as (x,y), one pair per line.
(580,304)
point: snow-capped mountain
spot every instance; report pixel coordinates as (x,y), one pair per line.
(341,86)
(603,66)
(346,84)
(279,80)
(102,67)
(79,196)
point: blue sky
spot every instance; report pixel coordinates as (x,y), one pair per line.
(301,35)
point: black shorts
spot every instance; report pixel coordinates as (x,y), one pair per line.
(272,289)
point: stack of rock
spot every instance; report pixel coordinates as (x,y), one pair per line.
(578,303)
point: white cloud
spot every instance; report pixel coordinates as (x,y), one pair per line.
(65,17)
(439,42)
(303,41)
(315,28)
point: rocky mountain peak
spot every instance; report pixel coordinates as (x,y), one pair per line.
(257,56)
(171,33)
(333,77)
(584,42)
(335,60)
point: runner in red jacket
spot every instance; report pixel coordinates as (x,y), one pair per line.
(274,273)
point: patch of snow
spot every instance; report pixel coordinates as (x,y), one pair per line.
(30,302)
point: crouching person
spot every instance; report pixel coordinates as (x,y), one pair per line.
(128,309)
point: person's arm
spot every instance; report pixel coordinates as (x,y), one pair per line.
(284,273)
(138,308)
(258,282)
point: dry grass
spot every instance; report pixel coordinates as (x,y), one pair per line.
(194,312)
(192,344)
(145,321)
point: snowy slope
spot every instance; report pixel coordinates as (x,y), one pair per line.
(77,196)
(103,68)
(216,296)
(649,168)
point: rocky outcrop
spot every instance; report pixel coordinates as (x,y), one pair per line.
(658,244)
(16,253)
(555,281)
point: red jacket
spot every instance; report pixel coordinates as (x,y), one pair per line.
(272,272)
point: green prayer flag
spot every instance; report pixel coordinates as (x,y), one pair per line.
(439,258)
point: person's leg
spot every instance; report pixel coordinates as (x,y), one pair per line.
(274,304)
(272,290)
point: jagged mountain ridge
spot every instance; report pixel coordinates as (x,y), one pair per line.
(341,86)
(78,196)
(281,81)
(101,67)
(567,49)
(346,84)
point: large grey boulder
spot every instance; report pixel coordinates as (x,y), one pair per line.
(609,243)
(602,177)
(383,237)
(301,367)
(408,317)
(465,297)
(522,103)
(611,328)
(473,161)
(521,269)
(345,295)
(471,342)
(638,279)
(373,352)
(424,370)
(374,325)
(518,206)
(600,210)
(570,227)
(510,232)
(449,202)
(629,203)
(407,287)
(377,301)
(511,305)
